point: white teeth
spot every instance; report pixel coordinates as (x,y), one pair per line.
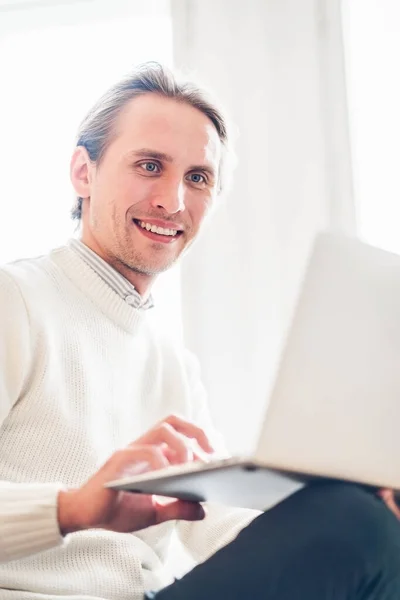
(159,230)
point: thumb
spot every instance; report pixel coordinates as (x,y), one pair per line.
(390,501)
(179,510)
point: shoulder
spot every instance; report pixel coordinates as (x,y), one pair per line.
(11,297)
(23,286)
(24,277)
(21,271)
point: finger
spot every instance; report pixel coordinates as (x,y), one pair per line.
(191,431)
(195,453)
(177,447)
(384,493)
(179,510)
(199,454)
(133,460)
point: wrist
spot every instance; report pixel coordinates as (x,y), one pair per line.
(68,512)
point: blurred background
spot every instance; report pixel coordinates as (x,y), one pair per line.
(312,87)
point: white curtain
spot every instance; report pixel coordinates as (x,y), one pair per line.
(372,44)
(277,65)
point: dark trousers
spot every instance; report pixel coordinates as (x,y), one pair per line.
(329,541)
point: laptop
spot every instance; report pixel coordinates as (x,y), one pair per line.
(334,409)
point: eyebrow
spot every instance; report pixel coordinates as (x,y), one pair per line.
(156,155)
(148,153)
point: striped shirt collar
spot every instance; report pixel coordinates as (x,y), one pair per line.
(121,286)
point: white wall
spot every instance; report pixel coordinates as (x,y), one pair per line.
(277,66)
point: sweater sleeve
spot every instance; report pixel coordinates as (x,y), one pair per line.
(222,524)
(28,511)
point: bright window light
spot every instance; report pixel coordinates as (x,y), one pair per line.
(372,44)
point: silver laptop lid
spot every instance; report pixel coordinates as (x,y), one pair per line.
(335,407)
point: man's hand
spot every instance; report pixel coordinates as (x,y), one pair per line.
(180,440)
(389,499)
(172,441)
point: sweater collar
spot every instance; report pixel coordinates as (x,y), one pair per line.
(96,290)
(121,286)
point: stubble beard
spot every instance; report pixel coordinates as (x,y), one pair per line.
(126,255)
(136,262)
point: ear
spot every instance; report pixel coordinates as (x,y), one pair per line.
(81,172)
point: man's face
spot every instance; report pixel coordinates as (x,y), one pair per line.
(154,185)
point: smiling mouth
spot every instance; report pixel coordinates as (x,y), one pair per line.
(155,232)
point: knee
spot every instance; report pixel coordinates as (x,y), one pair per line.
(341,501)
(352,517)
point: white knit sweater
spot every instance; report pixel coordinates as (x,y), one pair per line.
(82,373)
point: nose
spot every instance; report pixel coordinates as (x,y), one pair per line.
(170,197)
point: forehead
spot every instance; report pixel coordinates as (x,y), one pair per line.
(169,126)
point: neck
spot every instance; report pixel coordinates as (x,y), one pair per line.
(141,281)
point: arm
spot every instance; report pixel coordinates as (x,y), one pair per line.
(34,517)
(28,512)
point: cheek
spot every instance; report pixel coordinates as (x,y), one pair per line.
(198,210)
(120,191)
(133,190)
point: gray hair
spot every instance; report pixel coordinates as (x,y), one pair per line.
(97,129)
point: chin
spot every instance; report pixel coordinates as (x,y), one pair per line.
(152,268)
(150,261)
(157,264)
(158,269)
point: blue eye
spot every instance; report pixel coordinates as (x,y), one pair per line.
(150,167)
(196,178)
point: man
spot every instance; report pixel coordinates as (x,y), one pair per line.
(84,371)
